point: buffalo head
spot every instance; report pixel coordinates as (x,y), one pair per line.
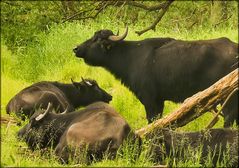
(91,92)
(95,50)
(36,132)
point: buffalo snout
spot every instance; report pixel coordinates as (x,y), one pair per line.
(108,98)
(79,51)
(75,50)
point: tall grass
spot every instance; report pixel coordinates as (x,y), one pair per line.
(51,58)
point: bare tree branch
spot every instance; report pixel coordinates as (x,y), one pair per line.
(161,14)
(225,19)
(142,6)
(96,14)
(102,5)
(90,13)
(76,14)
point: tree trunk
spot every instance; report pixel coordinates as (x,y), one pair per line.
(196,105)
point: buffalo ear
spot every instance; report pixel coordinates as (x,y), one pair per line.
(77,85)
(82,79)
(73,82)
(41,116)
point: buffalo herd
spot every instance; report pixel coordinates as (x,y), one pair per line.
(155,70)
(64,97)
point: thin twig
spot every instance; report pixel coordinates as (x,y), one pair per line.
(153,25)
(76,14)
(222,21)
(148,8)
(96,14)
(215,118)
(138,5)
(99,8)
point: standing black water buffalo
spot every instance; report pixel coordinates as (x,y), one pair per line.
(159,69)
(64,97)
(95,130)
(211,147)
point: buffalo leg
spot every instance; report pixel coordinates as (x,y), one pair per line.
(62,150)
(230,111)
(154,110)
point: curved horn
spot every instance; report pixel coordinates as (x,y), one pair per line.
(72,81)
(86,82)
(82,79)
(41,116)
(118,38)
(75,84)
(64,112)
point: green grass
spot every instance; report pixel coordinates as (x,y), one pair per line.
(52,59)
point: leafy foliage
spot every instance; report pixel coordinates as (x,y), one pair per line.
(22,21)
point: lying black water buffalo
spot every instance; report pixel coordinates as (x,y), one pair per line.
(64,97)
(96,130)
(210,148)
(159,69)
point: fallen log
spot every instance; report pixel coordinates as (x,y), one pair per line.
(196,105)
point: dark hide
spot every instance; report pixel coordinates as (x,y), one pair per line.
(214,143)
(97,129)
(64,97)
(159,69)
